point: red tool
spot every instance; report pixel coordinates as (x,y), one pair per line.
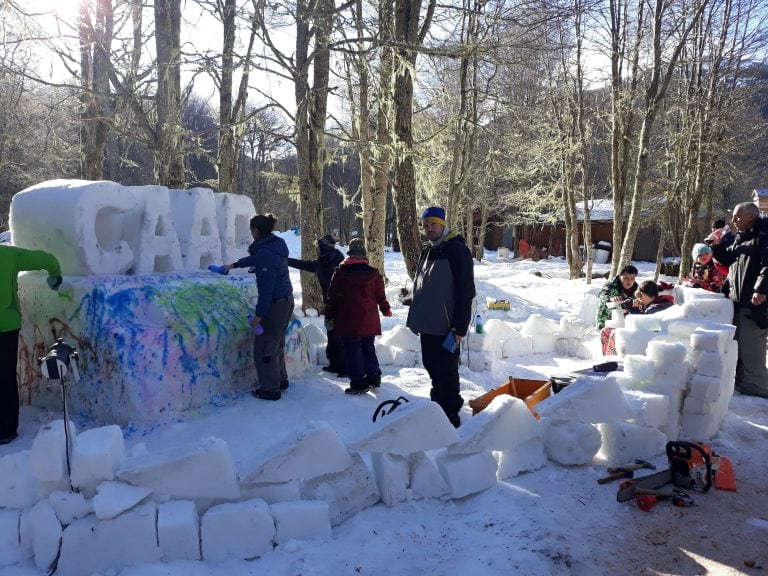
(647,499)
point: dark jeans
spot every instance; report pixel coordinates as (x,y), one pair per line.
(9,389)
(443,369)
(269,347)
(334,351)
(361,358)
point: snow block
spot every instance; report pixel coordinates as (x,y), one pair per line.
(467,474)
(403,358)
(48,455)
(151,346)
(315,334)
(237,531)
(571,326)
(569,442)
(425,478)
(479,361)
(11,550)
(272,492)
(639,368)
(629,341)
(517,345)
(587,399)
(402,338)
(194,213)
(18,486)
(623,442)
(303,520)
(536,324)
(716,308)
(178,530)
(648,409)
(700,426)
(233,217)
(150,232)
(114,498)
(543,343)
(706,341)
(97,453)
(90,545)
(82,223)
(414,426)
(45,534)
(505,423)
(707,388)
(642,322)
(391,474)
(384,354)
(666,352)
(296,456)
(69,506)
(204,469)
(709,364)
(525,457)
(347,492)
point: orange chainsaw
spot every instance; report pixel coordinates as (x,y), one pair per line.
(692,465)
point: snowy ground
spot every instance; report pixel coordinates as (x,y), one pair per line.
(555,520)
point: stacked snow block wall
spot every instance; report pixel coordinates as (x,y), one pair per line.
(156,334)
(500,342)
(683,358)
(191,502)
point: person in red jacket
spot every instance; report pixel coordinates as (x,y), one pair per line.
(356,290)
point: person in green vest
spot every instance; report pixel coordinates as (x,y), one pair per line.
(12,261)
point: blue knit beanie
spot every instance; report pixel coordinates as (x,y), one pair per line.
(699,249)
(434,214)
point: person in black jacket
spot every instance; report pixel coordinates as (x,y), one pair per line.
(441,309)
(747,258)
(328,259)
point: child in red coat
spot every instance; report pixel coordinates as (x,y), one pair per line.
(356,291)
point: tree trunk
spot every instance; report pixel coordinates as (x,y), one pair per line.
(169,155)
(95,44)
(408,36)
(311,108)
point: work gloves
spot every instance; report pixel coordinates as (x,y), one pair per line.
(219,270)
(54,281)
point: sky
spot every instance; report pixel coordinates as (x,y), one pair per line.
(555,520)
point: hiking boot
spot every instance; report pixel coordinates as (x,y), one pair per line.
(356,391)
(330,368)
(284,385)
(373,381)
(8,439)
(454,419)
(266,394)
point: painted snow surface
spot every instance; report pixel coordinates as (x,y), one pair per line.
(556,520)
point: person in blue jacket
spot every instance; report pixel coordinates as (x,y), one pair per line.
(268,260)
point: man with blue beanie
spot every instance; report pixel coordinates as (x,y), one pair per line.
(441,311)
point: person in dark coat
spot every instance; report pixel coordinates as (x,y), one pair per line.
(268,260)
(747,259)
(441,310)
(648,301)
(328,258)
(355,296)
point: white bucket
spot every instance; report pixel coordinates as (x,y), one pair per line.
(600,256)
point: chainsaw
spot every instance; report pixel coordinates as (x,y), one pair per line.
(692,465)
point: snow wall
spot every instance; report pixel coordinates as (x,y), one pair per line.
(156,334)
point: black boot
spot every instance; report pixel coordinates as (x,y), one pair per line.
(357,388)
(284,385)
(266,394)
(454,419)
(373,381)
